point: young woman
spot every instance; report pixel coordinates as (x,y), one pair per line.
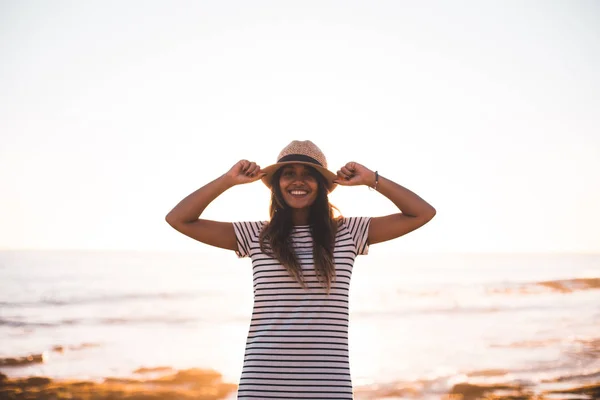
(302,258)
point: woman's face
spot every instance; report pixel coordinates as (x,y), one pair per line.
(299,185)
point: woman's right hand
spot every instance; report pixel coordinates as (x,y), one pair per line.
(244,171)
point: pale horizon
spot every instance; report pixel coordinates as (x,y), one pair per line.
(488,111)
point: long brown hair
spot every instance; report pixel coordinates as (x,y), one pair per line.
(323,228)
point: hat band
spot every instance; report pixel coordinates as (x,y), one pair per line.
(299,157)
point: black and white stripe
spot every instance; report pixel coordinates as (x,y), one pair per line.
(297,345)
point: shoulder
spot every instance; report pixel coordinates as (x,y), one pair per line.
(357,227)
(351,222)
(249,228)
(254,224)
(355,230)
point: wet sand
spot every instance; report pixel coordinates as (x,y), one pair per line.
(465,391)
(167,383)
(189,384)
(198,384)
(468,391)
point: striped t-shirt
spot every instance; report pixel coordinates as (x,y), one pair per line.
(297,346)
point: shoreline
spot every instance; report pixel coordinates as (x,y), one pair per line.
(190,384)
(165,383)
(203,383)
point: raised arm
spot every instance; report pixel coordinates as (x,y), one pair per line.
(414,211)
(184,217)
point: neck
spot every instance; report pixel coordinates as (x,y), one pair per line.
(300,216)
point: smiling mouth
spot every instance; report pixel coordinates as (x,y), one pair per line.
(298,193)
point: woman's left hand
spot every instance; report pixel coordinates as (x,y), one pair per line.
(354,174)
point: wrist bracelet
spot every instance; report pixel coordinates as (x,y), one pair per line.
(376,181)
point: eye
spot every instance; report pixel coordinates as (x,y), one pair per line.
(311,174)
(288,173)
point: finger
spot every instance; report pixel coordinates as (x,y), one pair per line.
(347,171)
(344,181)
(257,169)
(254,170)
(257,175)
(343,175)
(250,168)
(243,165)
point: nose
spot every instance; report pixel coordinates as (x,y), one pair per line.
(300,180)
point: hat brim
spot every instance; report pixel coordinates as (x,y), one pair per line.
(327,174)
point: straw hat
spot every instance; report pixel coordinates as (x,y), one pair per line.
(301,152)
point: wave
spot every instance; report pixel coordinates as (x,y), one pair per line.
(22,324)
(571,285)
(453,310)
(584,349)
(568,285)
(492,383)
(529,344)
(364,315)
(166,320)
(593,376)
(560,286)
(120,298)
(147,320)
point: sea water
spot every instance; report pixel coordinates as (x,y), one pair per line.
(431,319)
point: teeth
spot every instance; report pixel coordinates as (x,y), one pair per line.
(298,192)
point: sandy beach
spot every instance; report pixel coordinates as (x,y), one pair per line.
(166,383)
(182,385)
(478,327)
(198,384)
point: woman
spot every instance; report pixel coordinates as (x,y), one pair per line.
(302,258)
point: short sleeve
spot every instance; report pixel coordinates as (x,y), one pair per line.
(247,236)
(358,228)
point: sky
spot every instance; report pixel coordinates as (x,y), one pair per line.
(111,112)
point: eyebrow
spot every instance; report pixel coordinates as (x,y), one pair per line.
(305,169)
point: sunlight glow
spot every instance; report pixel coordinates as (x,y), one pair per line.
(112,113)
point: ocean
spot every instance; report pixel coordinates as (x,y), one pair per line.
(424,321)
